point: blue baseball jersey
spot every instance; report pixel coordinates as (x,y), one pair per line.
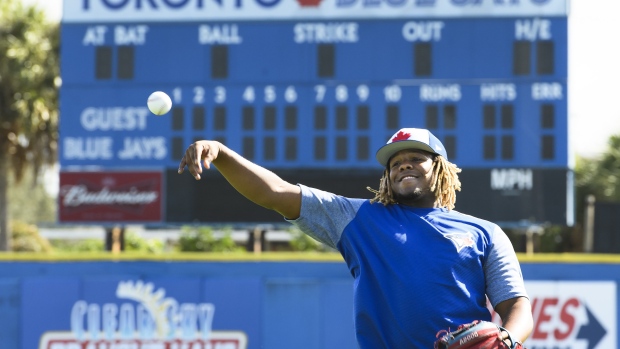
(416,270)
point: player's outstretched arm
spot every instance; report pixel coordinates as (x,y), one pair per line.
(256,183)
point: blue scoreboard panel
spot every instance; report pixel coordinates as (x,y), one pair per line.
(311,89)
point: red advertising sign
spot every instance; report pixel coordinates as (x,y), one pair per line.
(110,197)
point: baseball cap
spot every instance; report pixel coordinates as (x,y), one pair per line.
(410,138)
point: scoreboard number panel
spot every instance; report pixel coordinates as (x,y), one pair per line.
(325,125)
(310,51)
(315,95)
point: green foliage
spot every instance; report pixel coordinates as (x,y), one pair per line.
(26,238)
(552,239)
(202,239)
(29,82)
(555,239)
(30,202)
(85,245)
(599,177)
(134,242)
(303,242)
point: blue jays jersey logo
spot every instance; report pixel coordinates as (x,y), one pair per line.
(461,240)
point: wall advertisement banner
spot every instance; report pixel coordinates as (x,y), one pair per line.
(142,317)
(573,314)
(242,304)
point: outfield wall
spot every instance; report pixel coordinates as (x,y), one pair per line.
(269,301)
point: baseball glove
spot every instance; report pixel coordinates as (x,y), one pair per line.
(475,335)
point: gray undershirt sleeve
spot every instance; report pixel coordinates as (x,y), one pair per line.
(325,215)
(502,270)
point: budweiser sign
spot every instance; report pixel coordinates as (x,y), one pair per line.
(110,197)
(76,195)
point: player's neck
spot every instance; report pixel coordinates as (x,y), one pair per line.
(420,202)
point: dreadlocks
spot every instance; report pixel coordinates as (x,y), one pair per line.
(444,184)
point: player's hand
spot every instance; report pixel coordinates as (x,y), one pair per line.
(201,151)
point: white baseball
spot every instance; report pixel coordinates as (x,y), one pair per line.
(159,103)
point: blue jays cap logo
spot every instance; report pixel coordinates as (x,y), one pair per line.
(410,138)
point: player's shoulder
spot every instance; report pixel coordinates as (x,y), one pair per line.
(326,196)
(487,225)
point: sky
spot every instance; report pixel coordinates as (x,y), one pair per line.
(593,56)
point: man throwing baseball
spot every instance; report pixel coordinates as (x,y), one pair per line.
(419,266)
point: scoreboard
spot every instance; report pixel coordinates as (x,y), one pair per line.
(311,89)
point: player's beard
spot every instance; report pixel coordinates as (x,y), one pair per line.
(409,197)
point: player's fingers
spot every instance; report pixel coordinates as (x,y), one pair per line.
(181,166)
(185,161)
(195,153)
(197,150)
(188,160)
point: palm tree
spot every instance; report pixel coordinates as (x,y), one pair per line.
(29,82)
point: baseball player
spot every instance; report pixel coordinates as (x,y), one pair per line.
(419,266)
